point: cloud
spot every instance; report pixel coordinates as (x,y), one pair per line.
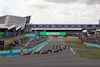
(6,10)
(62,1)
(90,2)
(39,6)
(54,11)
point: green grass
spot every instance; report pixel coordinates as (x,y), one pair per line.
(79,45)
(89,54)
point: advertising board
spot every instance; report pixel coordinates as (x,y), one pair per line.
(16,51)
(30,35)
(29,49)
(5,52)
(52,33)
(24,50)
(1,33)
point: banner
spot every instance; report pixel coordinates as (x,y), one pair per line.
(30,35)
(29,49)
(24,50)
(5,52)
(16,51)
(1,33)
(72,37)
(52,33)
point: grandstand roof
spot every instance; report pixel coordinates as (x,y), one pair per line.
(2,26)
(9,21)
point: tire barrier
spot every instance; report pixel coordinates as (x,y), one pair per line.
(23,51)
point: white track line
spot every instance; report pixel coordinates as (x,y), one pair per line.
(70,48)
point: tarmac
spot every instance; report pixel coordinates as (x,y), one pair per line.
(64,58)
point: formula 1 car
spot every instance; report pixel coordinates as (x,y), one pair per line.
(60,49)
(43,52)
(25,53)
(48,50)
(55,50)
(36,52)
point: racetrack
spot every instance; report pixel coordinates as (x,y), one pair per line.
(64,58)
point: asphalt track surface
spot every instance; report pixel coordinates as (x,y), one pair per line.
(64,58)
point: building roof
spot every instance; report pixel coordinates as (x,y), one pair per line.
(9,21)
(2,26)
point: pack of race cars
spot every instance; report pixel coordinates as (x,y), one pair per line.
(55,48)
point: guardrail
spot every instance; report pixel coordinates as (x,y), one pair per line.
(17,51)
(91,44)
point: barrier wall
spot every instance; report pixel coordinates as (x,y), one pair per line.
(17,51)
(71,37)
(91,44)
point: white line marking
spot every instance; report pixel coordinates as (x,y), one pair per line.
(72,50)
(69,47)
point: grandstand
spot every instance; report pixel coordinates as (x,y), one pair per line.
(12,30)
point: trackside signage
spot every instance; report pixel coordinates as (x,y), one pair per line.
(71,37)
(24,50)
(30,35)
(29,49)
(5,52)
(16,51)
(52,33)
(1,33)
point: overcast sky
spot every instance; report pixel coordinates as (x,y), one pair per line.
(54,11)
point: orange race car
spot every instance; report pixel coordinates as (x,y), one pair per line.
(43,52)
(36,52)
(25,53)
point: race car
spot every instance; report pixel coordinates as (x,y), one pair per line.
(25,53)
(36,52)
(55,50)
(60,49)
(43,52)
(48,50)
(21,53)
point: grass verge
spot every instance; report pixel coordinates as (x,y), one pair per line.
(89,54)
